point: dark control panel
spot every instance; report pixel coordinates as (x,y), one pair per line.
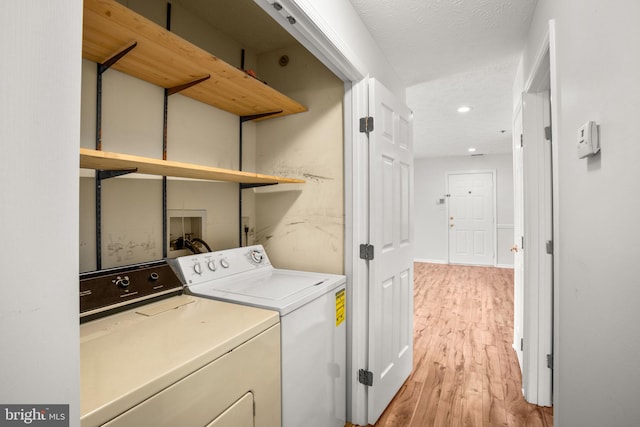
(119,287)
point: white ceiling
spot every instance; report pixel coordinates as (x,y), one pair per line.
(439,130)
(452,53)
(448,52)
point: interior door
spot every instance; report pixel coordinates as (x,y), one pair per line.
(538,254)
(391,233)
(518,238)
(471,218)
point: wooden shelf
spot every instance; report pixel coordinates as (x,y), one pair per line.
(103,160)
(166,60)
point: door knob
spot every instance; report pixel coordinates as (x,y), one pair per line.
(514,248)
(451,225)
(451,218)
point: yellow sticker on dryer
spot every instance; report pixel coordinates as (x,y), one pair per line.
(341,313)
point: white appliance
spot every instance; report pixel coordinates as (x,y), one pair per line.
(312,309)
(177,361)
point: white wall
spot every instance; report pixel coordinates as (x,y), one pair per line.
(597,380)
(39,139)
(302,225)
(431,219)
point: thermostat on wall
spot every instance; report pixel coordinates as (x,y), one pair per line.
(588,140)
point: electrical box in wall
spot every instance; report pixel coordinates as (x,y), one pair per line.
(588,140)
(184,225)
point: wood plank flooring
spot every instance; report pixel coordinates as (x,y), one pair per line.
(465,371)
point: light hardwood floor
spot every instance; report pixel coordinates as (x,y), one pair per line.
(465,371)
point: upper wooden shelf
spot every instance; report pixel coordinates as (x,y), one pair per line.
(168,61)
(104,160)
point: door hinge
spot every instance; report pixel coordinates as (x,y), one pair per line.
(366,252)
(521,344)
(522,242)
(549,247)
(521,140)
(366,124)
(365,377)
(547,133)
(550,361)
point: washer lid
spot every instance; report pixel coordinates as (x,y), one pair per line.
(275,286)
(282,290)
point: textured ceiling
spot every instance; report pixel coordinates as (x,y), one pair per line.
(439,130)
(451,53)
(429,39)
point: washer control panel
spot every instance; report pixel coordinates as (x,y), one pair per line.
(209,266)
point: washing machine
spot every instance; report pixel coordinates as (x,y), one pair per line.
(152,356)
(312,309)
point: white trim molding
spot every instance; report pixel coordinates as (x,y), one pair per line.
(431,261)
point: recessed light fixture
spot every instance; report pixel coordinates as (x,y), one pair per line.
(471,150)
(464,109)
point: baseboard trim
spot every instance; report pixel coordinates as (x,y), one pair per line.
(430,261)
(442,261)
(504,266)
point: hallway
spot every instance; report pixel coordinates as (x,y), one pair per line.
(465,370)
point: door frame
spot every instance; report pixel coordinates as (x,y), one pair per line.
(317,36)
(538,276)
(494,204)
(518,236)
(543,318)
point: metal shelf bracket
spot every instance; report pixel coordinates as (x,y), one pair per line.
(258,116)
(246,186)
(180,88)
(104,174)
(115,58)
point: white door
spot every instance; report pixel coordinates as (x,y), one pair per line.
(538,258)
(471,221)
(518,233)
(391,234)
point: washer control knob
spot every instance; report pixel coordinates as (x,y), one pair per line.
(257,256)
(153,276)
(122,282)
(212,265)
(224,263)
(197,268)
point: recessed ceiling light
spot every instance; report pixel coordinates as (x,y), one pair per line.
(472,150)
(464,109)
